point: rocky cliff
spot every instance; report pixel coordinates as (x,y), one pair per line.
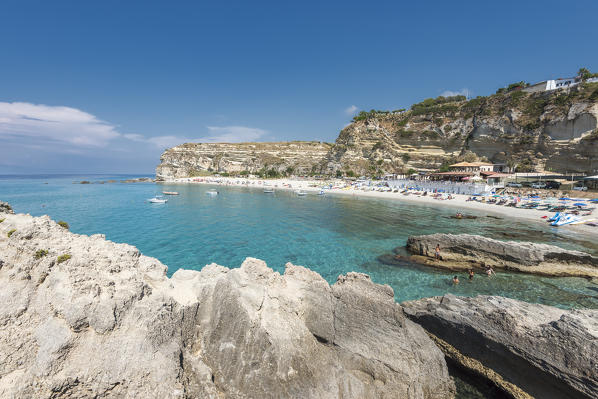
(85,317)
(193,159)
(550,353)
(555,130)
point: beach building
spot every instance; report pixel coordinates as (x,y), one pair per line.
(591,182)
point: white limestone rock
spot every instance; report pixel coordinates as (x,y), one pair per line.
(108,323)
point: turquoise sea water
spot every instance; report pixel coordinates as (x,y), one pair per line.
(331,234)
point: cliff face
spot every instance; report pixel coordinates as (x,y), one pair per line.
(300,157)
(84,317)
(554,130)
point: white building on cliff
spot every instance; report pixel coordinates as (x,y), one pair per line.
(554,84)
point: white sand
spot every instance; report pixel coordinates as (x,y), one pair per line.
(458,202)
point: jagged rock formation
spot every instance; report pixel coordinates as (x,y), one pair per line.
(191,159)
(550,353)
(84,317)
(554,130)
(465,251)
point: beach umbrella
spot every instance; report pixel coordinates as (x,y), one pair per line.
(496,195)
(594,200)
(564,199)
(580,204)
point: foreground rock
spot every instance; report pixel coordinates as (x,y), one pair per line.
(546,351)
(464,251)
(84,317)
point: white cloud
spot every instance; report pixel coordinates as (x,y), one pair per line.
(351,110)
(134,137)
(463,92)
(216,134)
(232,134)
(35,128)
(54,124)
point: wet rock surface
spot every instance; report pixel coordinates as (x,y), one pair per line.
(463,251)
(546,351)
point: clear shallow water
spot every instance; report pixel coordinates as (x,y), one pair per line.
(331,235)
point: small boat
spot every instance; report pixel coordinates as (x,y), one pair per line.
(212,192)
(268,191)
(301,193)
(321,192)
(170,193)
(157,200)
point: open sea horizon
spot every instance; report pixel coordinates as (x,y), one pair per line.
(329,234)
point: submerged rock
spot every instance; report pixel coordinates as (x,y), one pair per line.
(464,251)
(548,352)
(85,317)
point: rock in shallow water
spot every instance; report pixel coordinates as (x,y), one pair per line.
(550,353)
(463,251)
(107,322)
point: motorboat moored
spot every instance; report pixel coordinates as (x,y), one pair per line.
(268,191)
(301,193)
(212,192)
(170,193)
(157,200)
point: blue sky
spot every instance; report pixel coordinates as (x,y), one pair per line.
(105,86)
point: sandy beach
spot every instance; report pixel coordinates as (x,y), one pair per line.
(458,202)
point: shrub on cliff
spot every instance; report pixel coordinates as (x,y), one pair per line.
(40,253)
(1,220)
(432,102)
(63,224)
(10,232)
(63,258)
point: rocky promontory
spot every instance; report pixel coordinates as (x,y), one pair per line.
(81,316)
(195,159)
(548,352)
(465,251)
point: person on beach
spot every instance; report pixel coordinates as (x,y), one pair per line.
(437,252)
(471,273)
(455,280)
(490,271)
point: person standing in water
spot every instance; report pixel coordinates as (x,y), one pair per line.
(455,280)
(490,271)
(471,273)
